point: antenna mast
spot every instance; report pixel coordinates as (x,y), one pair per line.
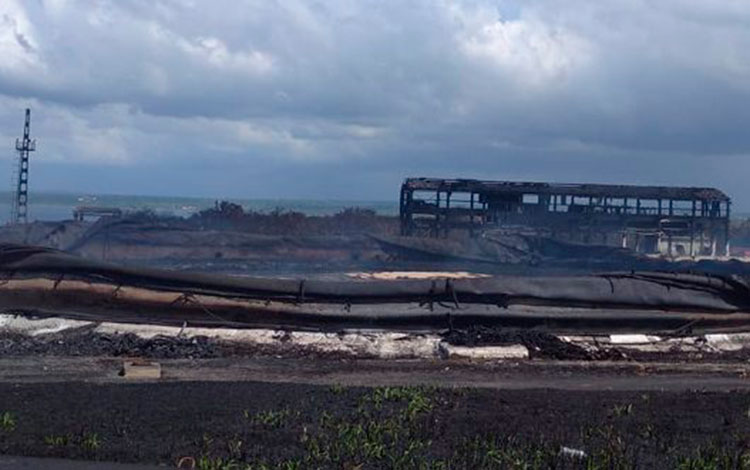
(24,146)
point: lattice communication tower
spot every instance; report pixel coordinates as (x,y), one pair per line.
(24,146)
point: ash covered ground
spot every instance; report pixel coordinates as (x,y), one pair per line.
(227,239)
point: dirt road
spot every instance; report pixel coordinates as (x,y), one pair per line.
(561,375)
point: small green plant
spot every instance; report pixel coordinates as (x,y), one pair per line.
(382,433)
(90,441)
(207,441)
(257,466)
(7,422)
(208,463)
(57,441)
(325,419)
(714,459)
(622,410)
(272,418)
(337,389)
(418,399)
(290,465)
(235,446)
(647,432)
(418,404)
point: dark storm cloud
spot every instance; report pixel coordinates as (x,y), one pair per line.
(343,99)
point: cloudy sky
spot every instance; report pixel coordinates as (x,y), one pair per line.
(343,99)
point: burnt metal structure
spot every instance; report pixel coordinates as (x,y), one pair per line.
(81,212)
(24,146)
(650,219)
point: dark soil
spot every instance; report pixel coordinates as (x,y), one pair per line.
(88,343)
(543,345)
(540,344)
(303,426)
(84,342)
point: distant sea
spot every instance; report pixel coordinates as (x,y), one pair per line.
(50,206)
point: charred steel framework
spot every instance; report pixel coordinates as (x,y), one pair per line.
(676,220)
(24,146)
(81,212)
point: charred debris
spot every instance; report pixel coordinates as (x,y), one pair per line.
(482,226)
(671,221)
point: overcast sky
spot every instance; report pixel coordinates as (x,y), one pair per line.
(343,99)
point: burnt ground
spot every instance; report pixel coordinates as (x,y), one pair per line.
(222,406)
(83,342)
(306,426)
(541,345)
